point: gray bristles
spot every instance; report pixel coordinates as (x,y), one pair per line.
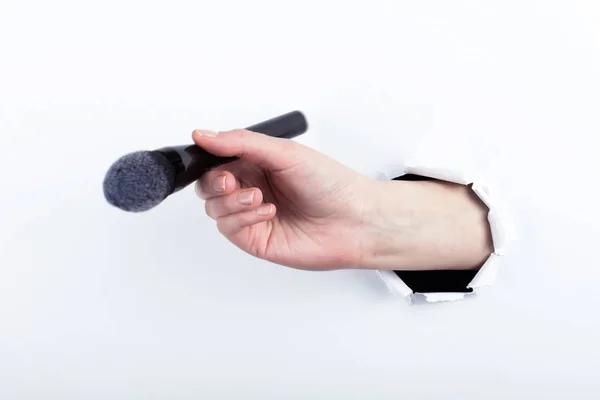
(139,181)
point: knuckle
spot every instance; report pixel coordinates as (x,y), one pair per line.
(198,189)
(286,146)
(209,208)
(240,219)
(240,133)
(222,226)
(204,186)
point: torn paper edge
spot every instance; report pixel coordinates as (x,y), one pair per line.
(501,225)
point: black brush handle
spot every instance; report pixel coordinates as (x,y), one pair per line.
(191,161)
(286,126)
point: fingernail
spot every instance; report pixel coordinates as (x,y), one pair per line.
(265,210)
(219,184)
(206,132)
(246,198)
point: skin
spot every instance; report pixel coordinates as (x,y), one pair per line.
(292,205)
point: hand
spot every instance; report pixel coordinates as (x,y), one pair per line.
(284,202)
(291,205)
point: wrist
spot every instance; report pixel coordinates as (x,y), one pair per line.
(425,225)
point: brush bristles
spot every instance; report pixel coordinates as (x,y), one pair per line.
(139,181)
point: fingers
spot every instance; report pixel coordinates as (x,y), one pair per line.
(239,201)
(234,208)
(262,150)
(234,223)
(216,183)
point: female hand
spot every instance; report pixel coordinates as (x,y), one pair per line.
(284,202)
(291,205)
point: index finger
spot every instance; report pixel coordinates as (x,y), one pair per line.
(215,183)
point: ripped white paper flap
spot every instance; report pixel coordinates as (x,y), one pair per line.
(502,230)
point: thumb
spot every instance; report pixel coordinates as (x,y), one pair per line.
(265,151)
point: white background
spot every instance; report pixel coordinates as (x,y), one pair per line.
(96,303)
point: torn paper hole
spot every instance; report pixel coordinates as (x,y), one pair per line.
(501,227)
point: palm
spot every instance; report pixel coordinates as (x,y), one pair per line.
(313,226)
